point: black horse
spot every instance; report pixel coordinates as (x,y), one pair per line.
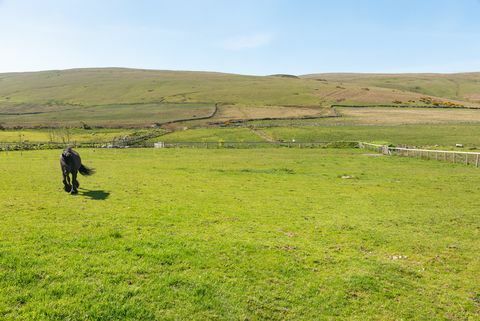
(71,163)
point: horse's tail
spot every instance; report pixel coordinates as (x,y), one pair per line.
(84,170)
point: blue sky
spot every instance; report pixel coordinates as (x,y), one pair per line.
(248,36)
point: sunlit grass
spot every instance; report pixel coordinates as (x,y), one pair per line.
(273,234)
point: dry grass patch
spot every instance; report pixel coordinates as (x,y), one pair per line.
(394,116)
(473,97)
(230,112)
(376,96)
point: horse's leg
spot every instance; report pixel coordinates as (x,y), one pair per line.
(74,183)
(65,184)
(68,187)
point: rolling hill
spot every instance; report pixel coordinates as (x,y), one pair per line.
(131,97)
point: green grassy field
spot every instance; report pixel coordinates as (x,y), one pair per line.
(270,234)
(445,136)
(420,135)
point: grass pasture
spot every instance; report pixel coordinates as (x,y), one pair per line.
(58,135)
(445,136)
(270,234)
(414,135)
(210,135)
(378,116)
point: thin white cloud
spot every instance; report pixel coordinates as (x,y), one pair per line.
(248,41)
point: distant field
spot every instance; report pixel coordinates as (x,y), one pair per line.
(60,135)
(398,116)
(420,135)
(210,135)
(427,135)
(138,115)
(270,234)
(226,113)
(374,116)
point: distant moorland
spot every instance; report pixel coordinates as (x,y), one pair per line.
(116,97)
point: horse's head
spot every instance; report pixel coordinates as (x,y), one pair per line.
(67,152)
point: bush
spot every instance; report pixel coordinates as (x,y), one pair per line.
(86,126)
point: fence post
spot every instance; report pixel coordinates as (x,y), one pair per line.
(454,154)
(478,160)
(466,159)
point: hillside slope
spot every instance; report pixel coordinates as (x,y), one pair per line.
(118,96)
(462,86)
(116,85)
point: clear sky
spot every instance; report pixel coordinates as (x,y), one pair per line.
(242,36)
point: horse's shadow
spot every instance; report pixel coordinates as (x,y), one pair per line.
(98,195)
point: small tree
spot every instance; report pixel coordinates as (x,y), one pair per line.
(51,135)
(66,135)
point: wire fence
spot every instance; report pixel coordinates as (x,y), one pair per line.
(207,145)
(467,158)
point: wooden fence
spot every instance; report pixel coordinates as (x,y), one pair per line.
(468,158)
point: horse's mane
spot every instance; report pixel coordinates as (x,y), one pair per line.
(67,152)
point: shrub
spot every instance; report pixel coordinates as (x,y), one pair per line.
(86,126)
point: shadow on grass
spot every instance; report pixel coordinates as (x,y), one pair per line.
(98,195)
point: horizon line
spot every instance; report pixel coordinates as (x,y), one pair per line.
(246,74)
